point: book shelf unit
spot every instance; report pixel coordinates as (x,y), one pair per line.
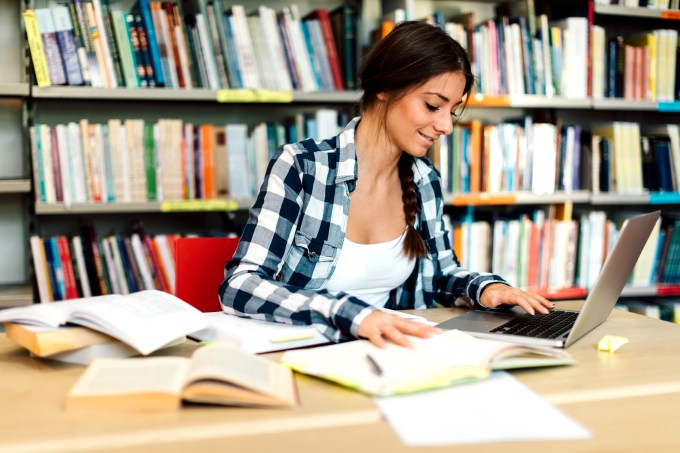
(219,106)
(15,183)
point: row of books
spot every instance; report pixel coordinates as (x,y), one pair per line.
(136,161)
(542,250)
(544,158)
(193,44)
(665,309)
(653,4)
(641,66)
(86,265)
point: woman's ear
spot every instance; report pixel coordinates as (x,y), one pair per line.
(382,96)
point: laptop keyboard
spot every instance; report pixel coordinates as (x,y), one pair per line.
(551,325)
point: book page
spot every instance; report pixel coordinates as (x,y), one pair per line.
(53,314)
(444,359)
(111,377)
(146,320)
(223,362)
(256,336)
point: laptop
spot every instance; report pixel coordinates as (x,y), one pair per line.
(562,328)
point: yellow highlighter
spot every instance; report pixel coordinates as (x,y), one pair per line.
(298,337)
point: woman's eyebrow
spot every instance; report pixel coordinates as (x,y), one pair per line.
(443,98)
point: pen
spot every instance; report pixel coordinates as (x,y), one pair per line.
(374,365)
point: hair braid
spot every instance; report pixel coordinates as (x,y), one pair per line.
(414,247)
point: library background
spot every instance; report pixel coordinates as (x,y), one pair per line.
(126,124)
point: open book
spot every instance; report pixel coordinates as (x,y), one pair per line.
(452,357)
(215,374)
(146,320)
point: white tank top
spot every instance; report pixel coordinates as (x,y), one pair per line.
(371,271)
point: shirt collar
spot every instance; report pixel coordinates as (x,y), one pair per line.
(347,161)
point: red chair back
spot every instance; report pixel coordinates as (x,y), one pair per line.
(199,270)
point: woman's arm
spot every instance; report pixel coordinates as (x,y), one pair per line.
(252,285)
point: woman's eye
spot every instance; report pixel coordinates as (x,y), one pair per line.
(431,107)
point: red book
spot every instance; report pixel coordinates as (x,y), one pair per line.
(67,267)
(321,14)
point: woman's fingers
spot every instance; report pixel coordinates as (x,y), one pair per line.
(378,327)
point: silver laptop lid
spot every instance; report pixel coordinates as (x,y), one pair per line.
(614,273)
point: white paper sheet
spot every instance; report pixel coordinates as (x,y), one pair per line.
(498,409)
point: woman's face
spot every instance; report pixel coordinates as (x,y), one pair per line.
(425,113)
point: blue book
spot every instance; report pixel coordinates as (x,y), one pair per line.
(66,39)
(147,22)
(313,58)
(231,53)
(55,269)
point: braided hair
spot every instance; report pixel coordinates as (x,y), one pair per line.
(405,59)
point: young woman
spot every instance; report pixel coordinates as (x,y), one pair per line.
(352,224)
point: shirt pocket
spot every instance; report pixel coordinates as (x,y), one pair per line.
(309,262)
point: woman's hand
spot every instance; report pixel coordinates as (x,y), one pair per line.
(380,326)
(497,293)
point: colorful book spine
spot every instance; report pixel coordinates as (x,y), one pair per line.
(67,44)
(55,64)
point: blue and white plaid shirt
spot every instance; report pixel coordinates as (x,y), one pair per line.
(292,241)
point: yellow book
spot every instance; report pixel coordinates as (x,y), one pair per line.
(44,341)
(452,357)
(215,374)
(37,51)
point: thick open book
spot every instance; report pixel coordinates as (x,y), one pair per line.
(452,357)
(146,320)
(215,374)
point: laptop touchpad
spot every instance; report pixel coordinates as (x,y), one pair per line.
(477,321)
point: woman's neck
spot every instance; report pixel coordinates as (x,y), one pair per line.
(378,157)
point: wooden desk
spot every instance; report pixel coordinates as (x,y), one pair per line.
(629,400)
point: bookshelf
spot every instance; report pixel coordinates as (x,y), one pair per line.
(15,185)
(219,107)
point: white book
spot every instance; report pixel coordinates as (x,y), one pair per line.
(64,164)
(118,265)
(134,137)
(78,174)
(517,65)
(48,168)
(79,257)
(110,266)
(118,159)
(103,38)
(327,123)
(543,162)
(300,55)
(275,47)
(189,177)
(264,64)
(40,268)
(142,263)
(146,320)
(599,63)
(244,48)
(209,58)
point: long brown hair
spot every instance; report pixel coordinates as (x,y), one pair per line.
(405,59)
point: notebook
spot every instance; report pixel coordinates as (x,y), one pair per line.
(519,327)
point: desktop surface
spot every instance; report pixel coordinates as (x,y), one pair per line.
(628,400)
